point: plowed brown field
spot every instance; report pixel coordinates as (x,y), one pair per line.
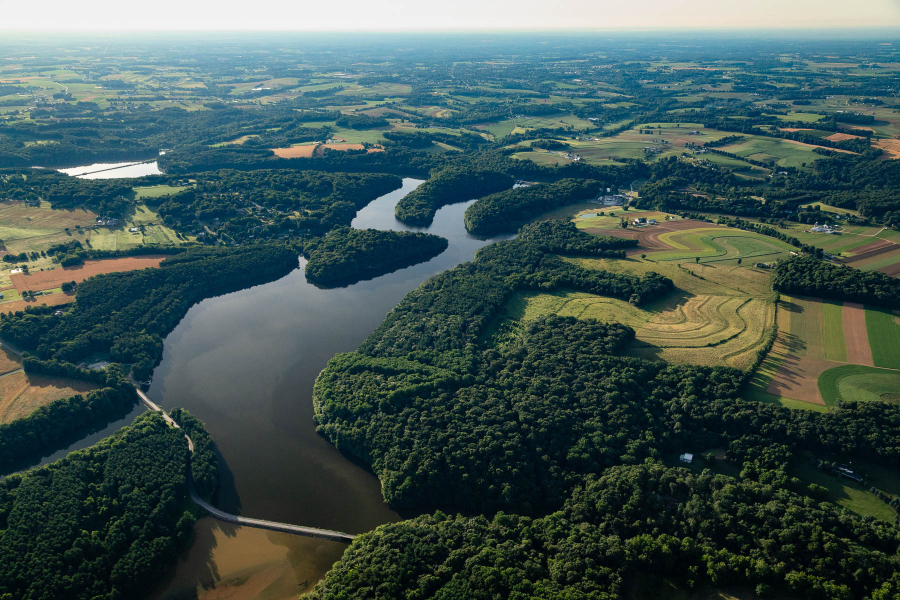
(855,335)
(45,280)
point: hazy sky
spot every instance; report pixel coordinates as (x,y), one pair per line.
(407,15)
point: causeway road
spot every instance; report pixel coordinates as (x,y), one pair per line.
(313,532)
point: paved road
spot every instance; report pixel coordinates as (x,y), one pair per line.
(325,534)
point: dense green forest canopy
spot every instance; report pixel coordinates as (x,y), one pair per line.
(238,206)
(453,184)
(347,255)
(104,522)
(632,523)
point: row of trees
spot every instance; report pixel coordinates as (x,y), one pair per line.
(809,276)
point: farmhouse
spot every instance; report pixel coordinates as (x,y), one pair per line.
(687,457)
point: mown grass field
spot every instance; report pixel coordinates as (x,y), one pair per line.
(859,383)
(849,494)
(884,337)
(718,244)
(783,153)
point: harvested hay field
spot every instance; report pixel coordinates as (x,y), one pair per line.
(8,361)
(798,371)
(890,148)
(707,322)
(892,270)
(840,137)
(649,237)
(48,299)
(19,221)
(296,151)
(870,251)
(21,394)
(46,280)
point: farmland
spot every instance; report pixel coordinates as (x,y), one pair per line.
(828,350)
(46,280)
(21,394)
(718,315)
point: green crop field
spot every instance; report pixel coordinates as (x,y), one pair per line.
(155,191)
(833,330)
(884,337)
(859,383)
(780,152)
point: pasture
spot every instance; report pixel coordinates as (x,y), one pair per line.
(783,153)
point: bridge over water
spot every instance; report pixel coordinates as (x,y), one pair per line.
(325,534)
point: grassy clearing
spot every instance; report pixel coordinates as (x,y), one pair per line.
(155,191)
(859,383)
(846,493)
(777,151)
(833,330)
(884,337)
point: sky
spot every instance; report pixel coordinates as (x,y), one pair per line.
(425,15)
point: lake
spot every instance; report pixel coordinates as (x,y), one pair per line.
(245,364)
(113,170)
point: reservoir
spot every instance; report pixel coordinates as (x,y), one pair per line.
(245,364)
(113,170)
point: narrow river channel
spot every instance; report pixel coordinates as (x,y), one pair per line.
(245,364)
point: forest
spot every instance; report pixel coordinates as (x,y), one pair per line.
(633,524)
(239,206)
(506,212)
(453,184)
(104,522)
(346,255)
(32,436)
